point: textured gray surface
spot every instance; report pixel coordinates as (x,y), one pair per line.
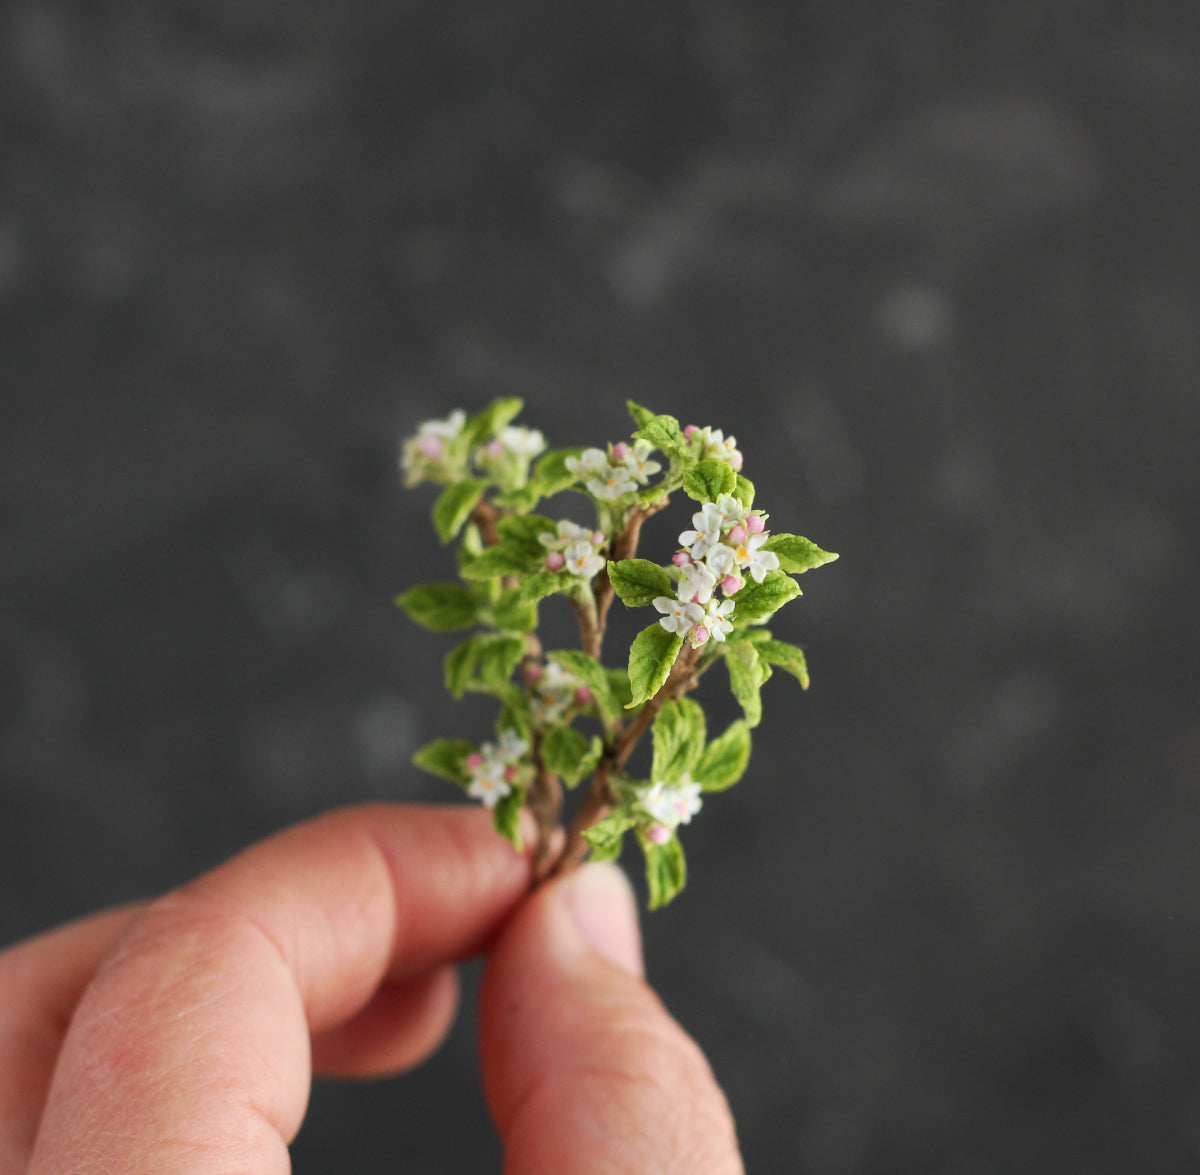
(937,268)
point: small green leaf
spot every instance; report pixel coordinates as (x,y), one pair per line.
(513,613)
(678,733)
(606,836)
(744,492)
(483,426)
(786,657)
(506,816)
(550,473)
(589,670)
(746,676)
(639,582)
(441,607)
(459,666)
(494,561)
(446,757)
(454,505)
(521,499)
(709,480)
(651,657)
(663,432)
(724,759)
(797,554)
(618,686)
(565,752)
(499,655)
(757,601)
(542,583)
(666,870)
(526,530)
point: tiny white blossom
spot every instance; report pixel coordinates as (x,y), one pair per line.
(489,787)
(590,463)
(728,510)
(636,461)
(671,804)
(759,562)
(523,442)
(568,532)
(553,693)
(680,617)
(612,483)
(582,559)
(720,560)
(716,444)
(512,746)
(697,584)
(706,530)
(716,618)
(420,453)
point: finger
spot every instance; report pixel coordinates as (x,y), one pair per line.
(41,980)
(189,1052)
(400,1027)
(584,1070)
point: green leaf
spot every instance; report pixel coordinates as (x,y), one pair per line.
(746,676)
(678,733)
(446,757)
(459,666)
(494,561)
(589,670)
(639,582)
(744,492)
(525,529)
(542,583)
(521,499)
(786,657)
(441,607)
(618,687)
(567,753)
(757,601)
(506,816)
(499,655)
(724,759)
(651,656)
(454,505)
(606,836)
(663,432)
(486,424)
(550,473)
(513,613)
(797,554)
(709,480)
(666,870)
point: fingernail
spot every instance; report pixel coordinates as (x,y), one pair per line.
(601,903)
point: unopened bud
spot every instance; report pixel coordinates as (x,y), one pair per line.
(431,448)
(659,834)
(690,431)
(699,636)
(731,584)
(495,448)
(583,696)
(755,524)
(556,561)
(474,761)
(681,558)
(738,535)
(620,450)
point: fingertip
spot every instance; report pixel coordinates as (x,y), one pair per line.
(602,907)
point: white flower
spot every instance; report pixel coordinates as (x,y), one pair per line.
(612,483)
(491,767)
(728,511)
(716,444)
(716,618)
(553,692)
(419,454)
(720,560)
(671,804)
(489,786)
(759,562)
(638,465)
(680,617)
(582,559)
(522,442)
(568,533)
(590,463)
(706,530)
(697,585)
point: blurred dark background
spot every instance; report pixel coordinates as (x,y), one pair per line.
(936,266)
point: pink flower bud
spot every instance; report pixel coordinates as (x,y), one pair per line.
(658,833)
(510,773)
(731,584)
(474,761)
(681,558)
(699,636)
(620,450)
(735,461)
(690,431)
(737,535)
(534,673)
(494,448)
(556,561)
(431,448)
(583,696)
(755,524)
(597,538)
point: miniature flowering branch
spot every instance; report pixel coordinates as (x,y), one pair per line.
(711,600)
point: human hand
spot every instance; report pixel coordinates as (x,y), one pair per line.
(181,1035)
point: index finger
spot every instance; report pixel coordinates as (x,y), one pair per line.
(189,1051)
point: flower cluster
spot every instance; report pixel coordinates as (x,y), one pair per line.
(575,549)
(553,692)
(493,768)
(620,471)
(714,443)
(669,805)
(430,455)
(509,452)
(724,545)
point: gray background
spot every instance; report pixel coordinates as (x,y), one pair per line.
(935,265)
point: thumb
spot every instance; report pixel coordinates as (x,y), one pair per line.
(585,1071)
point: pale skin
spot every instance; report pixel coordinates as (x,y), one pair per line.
(181,1035)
